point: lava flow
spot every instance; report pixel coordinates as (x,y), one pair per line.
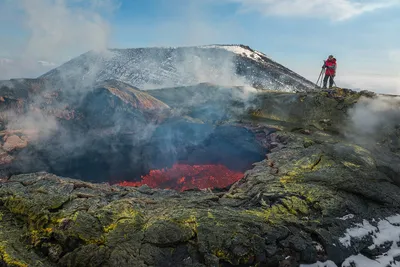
(185,177)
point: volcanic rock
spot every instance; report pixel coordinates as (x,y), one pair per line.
(291,207)
(14,142)
(136,98)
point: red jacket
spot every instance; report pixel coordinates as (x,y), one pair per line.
(330,66)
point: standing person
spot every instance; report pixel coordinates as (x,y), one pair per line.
(330,72)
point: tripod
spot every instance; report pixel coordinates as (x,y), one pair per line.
(320,75)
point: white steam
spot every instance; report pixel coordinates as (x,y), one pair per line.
(33,122)
(59,30)
(56,31)
(204,69)
(371,118)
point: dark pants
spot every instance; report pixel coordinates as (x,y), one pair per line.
(330,77)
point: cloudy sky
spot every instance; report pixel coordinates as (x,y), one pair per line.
(361,34)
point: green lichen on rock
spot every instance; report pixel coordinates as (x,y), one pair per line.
(9,260)
(14,250)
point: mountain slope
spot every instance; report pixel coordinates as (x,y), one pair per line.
(132,96)
(150,68)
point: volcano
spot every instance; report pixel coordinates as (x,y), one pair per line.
(150,68)
(208,168)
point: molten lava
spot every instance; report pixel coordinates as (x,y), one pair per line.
(184,177)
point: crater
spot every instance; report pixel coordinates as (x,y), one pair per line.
(177,154)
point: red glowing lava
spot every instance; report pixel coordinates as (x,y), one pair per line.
(184,177)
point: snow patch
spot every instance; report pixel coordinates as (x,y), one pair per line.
(346,217)
(362,261)
(358,232)
(386,244)
(394,219)
(385,234)
(320,264)
(262,59)
(239,51)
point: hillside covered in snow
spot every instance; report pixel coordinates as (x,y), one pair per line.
(151,68)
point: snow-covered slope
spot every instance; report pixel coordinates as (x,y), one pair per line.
(150,68)
(374,243)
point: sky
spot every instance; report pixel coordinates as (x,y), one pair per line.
(299,34)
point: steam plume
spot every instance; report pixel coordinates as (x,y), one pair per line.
(371,118)
(57,30)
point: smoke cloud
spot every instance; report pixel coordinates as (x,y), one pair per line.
(59,29)
(54,32)
(372,118)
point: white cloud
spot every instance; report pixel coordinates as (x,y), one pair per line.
(386,84)
(336,10)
